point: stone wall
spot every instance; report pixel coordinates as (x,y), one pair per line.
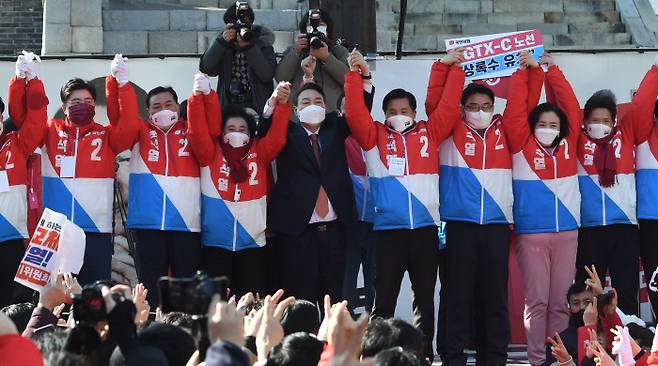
(20,26)
(72,26)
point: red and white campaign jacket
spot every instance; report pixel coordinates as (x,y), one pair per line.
(164,188)
(603,206)
(410,200)
(546,196)
(87,197)
(646,155)
(476,171)
(233,214)
(27,103)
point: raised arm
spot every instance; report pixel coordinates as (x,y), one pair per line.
(270,145)
(123,134)
(438,78)
(200,106)
(444,117)
(560,92)
(515,117)
(357,115)
(31,134)
(17,101)
(643,106)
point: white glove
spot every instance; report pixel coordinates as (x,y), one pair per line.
(25,65)
(119,69)
(201,83)
(622,348)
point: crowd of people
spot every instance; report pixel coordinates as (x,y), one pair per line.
(292,185)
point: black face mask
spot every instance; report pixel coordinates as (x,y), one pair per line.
(576,319)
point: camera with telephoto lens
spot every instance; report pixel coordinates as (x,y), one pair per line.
(89,305)
(243,25)
(315,37)
(191,295)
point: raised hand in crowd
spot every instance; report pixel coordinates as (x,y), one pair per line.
(356,62)
(71,285)
(593,283)
(25,68)
(611,307)
(139,294)
(270,333)
(346,337)
(547,59)
(225,322)
(301,43)
(454,57)
(558,350)
(601,357)
(622,346)
(119,69)
(591,314)
(308,66)
(53,295)
(201,84)
(526,60)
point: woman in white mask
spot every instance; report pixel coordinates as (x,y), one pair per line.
(542,140)
(234,185)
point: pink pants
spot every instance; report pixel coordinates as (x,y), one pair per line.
(548,266)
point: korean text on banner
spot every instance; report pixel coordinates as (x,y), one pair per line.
(496,55)
(57,246)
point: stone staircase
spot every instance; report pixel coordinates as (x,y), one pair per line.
(185,26)
(563,23)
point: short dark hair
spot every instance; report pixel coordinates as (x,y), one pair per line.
(324,16)
(76,84)
(310,86)
(233,110)
(475,88)
(397,356)
(601,99)
(533,119)
(297,349)
(50,341)
(576,288)
(399,94)
(20,314)
(159,90)
(382,334)
(68,359)
(301,316)
(2,106)
(230,16)
(177,345)
(182,320)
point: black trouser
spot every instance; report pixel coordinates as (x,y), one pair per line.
(272,270)
(160,251)
(477,257)
(360,252)
(245,269)
(312,264)
(97,263)
(11,253)
(649,252)
(615,248)
(441,320)
(417,252)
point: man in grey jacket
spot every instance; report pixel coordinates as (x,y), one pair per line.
(330,61)
(244,62)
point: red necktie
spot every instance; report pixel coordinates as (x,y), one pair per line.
(322,203)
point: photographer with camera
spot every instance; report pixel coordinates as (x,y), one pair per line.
(315,46)
(243,58)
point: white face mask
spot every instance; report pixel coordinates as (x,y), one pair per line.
(399,122)
(236,139)
(164,119)
(312,114)
(546,136)
(598,130)
(478,120)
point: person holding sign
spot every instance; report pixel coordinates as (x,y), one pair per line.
(164,200)
(403,164)
(476,203)
(609,236)
(78,161)
(25,89)
(542,139)
(234,183)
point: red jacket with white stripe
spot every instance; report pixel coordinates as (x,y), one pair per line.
(410,199)
(165,193)
(233,214)
(87,197)
(546,196)
(15,149)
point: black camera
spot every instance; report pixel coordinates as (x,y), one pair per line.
(243,25)
(315,37)
(89,305)
(191,295)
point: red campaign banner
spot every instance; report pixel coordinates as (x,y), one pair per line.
(500,86)
(502,45)
(36,275)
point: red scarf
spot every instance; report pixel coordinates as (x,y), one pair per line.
(605,161)
(237,160)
